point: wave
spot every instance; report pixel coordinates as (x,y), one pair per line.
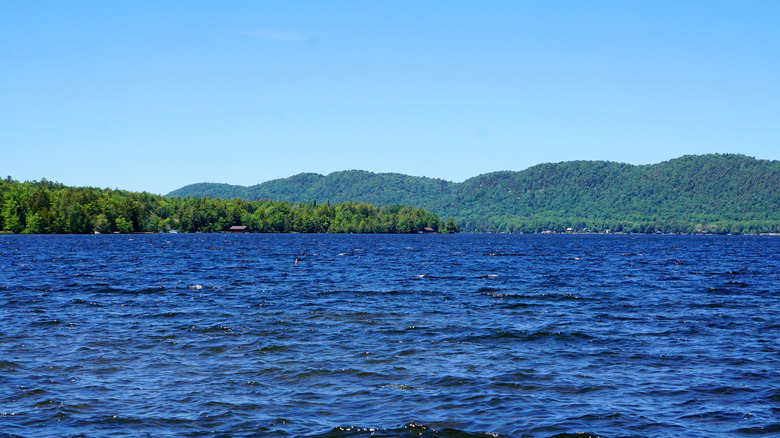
(407,430)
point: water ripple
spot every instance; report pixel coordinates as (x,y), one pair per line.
(389,336)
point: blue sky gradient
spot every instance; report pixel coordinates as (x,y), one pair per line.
(151,96)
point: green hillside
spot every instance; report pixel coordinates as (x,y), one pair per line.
(714,193)
(345,186)
(711,193)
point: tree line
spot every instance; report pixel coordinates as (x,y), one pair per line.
(44,207)
(716,193)
(711,194)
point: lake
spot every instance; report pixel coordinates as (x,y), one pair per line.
(471,335)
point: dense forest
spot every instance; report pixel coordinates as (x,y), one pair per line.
(716,193)
(39,207)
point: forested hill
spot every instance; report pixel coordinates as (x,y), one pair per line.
(705,193)
(394,188)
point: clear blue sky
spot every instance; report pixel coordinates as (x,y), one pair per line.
(151,96)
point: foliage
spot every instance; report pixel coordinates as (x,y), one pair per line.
(338,187)
(717,193)
(45,207)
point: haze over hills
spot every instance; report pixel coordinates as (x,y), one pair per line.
(695,193)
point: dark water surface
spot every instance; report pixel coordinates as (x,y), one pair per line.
(389,336)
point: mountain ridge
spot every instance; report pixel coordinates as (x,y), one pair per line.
(687,194)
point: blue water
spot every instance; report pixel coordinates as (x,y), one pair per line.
(389,336)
